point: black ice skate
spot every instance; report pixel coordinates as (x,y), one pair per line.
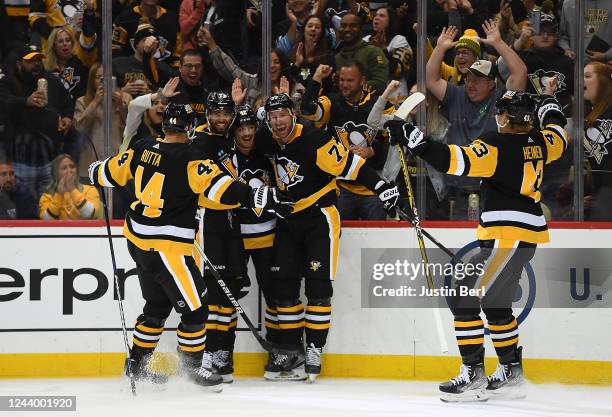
(507,381)
(223,364)
(140,370)
(469,385)
(200,371)
(313,362)
(286,366)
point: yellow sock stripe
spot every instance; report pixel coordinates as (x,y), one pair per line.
(319,309)
(316,326)
(196,334)
(476,341)
(512,341)
(211,326)
(192,348)
(271,325)
(287,326)
(499,327)
(150,345)
(157,330)
(292,309)
(271,310)
(226,310)
(468,323)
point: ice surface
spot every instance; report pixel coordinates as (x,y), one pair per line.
(326,398)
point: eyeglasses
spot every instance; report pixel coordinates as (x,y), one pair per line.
(190,67)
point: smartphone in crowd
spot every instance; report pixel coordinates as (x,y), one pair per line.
(534,21)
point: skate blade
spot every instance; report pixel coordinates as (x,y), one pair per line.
(213,388)
(468,396)
(507,393)
(293,375)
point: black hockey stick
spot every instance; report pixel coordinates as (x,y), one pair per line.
(128,361)
(266,345)
(404,216)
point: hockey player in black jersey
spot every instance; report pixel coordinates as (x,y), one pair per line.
(219,235)
(511,165)
(307,161)
(160,227)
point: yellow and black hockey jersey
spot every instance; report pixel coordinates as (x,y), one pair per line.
(512,169)
(348,122)
(307,166)
(168,178)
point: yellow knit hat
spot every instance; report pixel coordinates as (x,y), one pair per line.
(470,41)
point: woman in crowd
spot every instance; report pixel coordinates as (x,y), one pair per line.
(88,117)
(315,48)
(597,140)
(66,198)
(386,36)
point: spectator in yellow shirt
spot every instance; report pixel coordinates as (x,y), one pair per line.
(66,198)
(467,51)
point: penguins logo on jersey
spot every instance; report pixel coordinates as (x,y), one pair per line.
(597,138)
(539,79)
(70,9)
(68,79)
(255,179)
(229,164)
(286,173)
(355,135)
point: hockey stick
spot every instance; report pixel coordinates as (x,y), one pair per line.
(402,113)
(128,361)
(266,345)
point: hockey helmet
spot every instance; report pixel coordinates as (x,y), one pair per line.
(178,118)
(518,105)
(279,102)
(218,100)
(245,116)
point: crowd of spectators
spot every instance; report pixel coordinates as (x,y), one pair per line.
(346,63)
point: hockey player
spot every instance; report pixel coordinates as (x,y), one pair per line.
(257,227)
(511,164)
(307,161)
(219,231)
(160,229)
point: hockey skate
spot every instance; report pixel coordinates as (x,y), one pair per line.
(223,364)
(200,372)
(313,362)
(469,385)
(507,381)
(285,366)
(138,366)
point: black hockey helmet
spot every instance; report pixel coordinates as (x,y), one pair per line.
(519,105)
(278,102)
(245,116)
(218,100)
(178,118)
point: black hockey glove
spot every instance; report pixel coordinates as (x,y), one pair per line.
(549,111)
(389,195)
(271,199)
(407,135)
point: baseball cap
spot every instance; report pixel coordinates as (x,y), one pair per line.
(483,68)
(28,52)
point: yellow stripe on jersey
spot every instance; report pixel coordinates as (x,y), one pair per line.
(118,167)
(259,242)
(556,142)
(333,157)
(183,279)
(356,188)
(495,265)
(333,221)
(482,159)
(512,233)
(321,117)
(306,202)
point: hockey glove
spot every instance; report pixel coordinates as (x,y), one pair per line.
(271,199)
(91,171)
(407,135)
(389,195)
(549,111)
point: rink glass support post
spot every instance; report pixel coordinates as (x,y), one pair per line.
(266,48)
(578,116)
(421,118)
(107,85)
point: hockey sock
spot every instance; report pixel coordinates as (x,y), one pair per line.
(469,332)
(227,320)
(271,322)
(290,323)
(318,322)
(504,335)
(212,333)
(147,333)
(191,338)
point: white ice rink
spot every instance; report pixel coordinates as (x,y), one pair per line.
(327,398)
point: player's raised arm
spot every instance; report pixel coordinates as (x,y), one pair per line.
(112,172)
